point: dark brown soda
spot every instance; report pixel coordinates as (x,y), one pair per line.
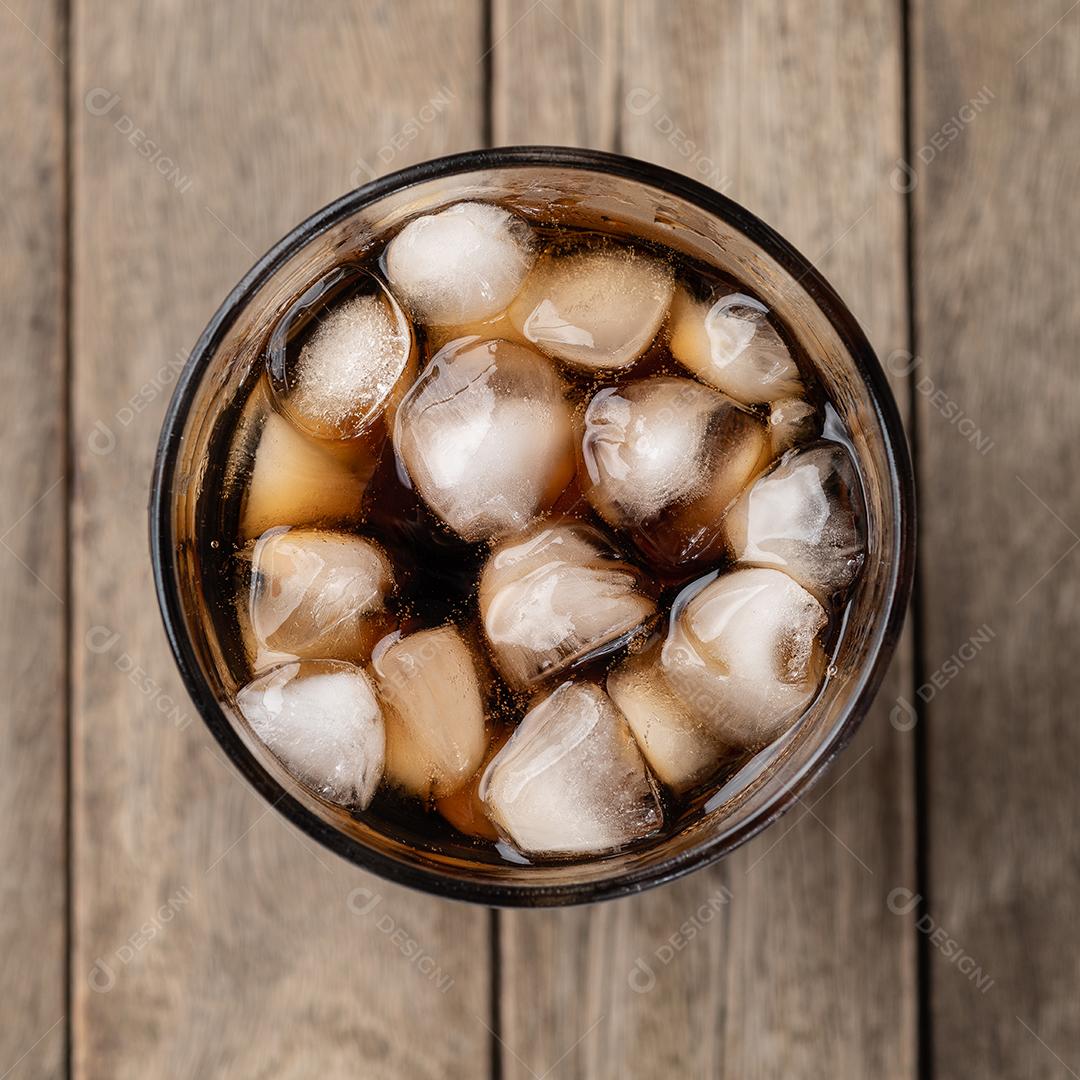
(437,572)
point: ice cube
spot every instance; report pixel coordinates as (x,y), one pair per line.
(664,458)
(596,309)
(315,595)
(297,479)
(744,654)
(462,264)
(321,720)
(334,367)
(792,422)
(485,437)
(571,780)
(554,596)
(682,747)
(463,809)
(436,732)
(729,343)
(805,517)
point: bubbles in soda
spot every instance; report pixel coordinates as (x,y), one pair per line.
(537,536)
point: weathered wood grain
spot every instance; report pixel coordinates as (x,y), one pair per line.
(804,971)
(996,148)
(212,939)
(33,737)
(555,72)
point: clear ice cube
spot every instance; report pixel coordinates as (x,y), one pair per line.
(485,436)
(464,808)
(744,654)
(555,596)
(571,780)
(596,309)
(681,746)
(321,720)
(297,479)
(793,422)
(805,517)
(730,344)
(460,265)
(433,703)
(313,595)
(664,457)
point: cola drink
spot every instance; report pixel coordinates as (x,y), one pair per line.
(542,533)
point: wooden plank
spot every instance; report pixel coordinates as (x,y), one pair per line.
(996,145)
(33,734)
(804,971)
(555,69)
(555,79)
(211,938)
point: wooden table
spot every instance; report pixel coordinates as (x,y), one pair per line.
(159,920)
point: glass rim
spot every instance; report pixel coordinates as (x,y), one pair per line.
(902,499)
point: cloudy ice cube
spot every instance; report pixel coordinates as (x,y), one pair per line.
(346,374)
(436,732)
(321,720)
(485,437)
(805,517)
(349,368)
(730,344)
(571,780)
(314,595)
(744,654)
(597,309)
(300,480)
(664,457)
(681,746)
(792,422)
(554,596)
(460,265)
